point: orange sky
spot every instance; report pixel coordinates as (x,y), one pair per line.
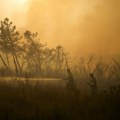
(81,26)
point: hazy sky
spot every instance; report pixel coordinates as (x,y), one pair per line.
(81,26)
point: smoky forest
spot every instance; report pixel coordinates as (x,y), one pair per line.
(42,83)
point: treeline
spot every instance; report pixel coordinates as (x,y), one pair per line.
(24,53)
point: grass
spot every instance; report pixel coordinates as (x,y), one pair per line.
(25,101)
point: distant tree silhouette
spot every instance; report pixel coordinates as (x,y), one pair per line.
(28,53)
(59,57)
(49,57)
(34,50)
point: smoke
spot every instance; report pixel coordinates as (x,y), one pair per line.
(81,26)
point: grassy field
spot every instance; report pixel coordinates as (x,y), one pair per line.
(52,101)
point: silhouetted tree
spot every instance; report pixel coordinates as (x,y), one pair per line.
(48,62)
(59,58)
(9,42)
(34,50)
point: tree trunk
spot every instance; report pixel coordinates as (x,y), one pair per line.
(17,61)
(16,68)
(39,64)
(4,62)
(7,58)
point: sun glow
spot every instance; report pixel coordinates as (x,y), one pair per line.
(20,2)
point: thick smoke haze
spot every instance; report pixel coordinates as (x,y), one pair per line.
(81,26)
